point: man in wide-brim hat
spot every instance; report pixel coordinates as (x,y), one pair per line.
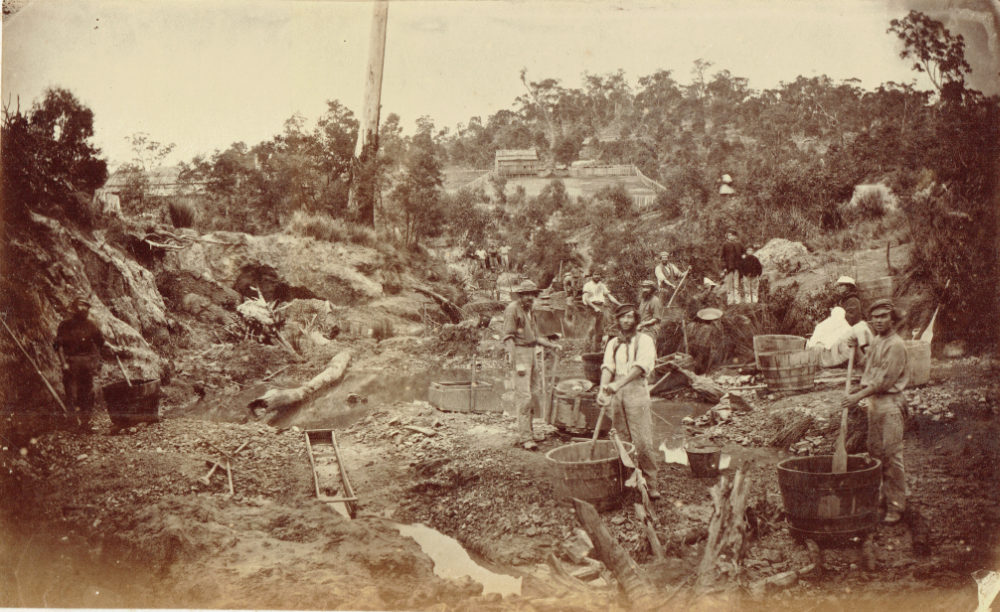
(629,359)
(882,382)
(521,339)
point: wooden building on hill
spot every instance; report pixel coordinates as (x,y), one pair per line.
(516,162)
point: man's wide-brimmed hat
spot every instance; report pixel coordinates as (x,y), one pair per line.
(527,286)
(81,301)
(845,280)
(664,254)
(625,308)
(648,283)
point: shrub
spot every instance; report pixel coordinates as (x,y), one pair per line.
(182,212)
(324,227)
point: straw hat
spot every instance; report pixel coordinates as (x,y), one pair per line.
(845,280)
(648,283)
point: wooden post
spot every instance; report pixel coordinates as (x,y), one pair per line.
(361,197)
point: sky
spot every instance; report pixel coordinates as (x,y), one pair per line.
(204,74)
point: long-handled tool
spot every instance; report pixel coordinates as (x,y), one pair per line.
(118,344)
(551,399)
(840,449)
(545,394)
(597,426)
(644,510)
(48,385)
(217,464)
(678,287)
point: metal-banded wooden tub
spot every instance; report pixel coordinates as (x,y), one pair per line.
(600,481)
(771,343)
(789,370)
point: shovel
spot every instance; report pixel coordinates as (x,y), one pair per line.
(840,449)
(597,427)
(829,505)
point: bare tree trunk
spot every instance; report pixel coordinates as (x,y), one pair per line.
(361,196)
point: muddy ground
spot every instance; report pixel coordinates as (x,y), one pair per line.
(122,521)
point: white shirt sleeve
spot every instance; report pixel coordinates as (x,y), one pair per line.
(660,276)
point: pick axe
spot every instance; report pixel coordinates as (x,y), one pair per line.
(216,464)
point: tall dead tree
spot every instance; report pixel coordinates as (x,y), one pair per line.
(364,170)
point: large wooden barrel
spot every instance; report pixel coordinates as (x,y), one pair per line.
(918,362)
(600,481)
(789,370)
(128,405)
(823,505)
(577,412)
(770,343)
(592,366)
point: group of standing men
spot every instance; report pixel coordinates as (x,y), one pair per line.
(741,271)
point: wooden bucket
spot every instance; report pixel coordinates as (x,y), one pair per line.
(600,481)
(130,404)
(789,370)
(918,362)
(772,343)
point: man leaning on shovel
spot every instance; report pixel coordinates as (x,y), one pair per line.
(520,337)
(882,382)
(628,360)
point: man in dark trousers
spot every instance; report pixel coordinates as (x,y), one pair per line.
(521,339)
(732,250)
(882,382)
(78,343)
(750,270)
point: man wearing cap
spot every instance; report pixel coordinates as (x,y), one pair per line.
(666,272)
(520,337)
(78,343)
(650,308)
(882,382)
(628,360)
(596,295)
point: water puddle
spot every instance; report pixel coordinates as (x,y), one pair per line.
(453,561)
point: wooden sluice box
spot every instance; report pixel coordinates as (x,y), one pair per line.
(458,396)
(329,472)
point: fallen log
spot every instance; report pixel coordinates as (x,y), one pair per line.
(454,312)
(726,529)
(284,398)
(637,588)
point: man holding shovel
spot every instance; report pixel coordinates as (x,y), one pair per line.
(78,343)
(628,360)
(520,337)
(882,382)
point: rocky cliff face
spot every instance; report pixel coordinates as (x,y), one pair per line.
(46,265)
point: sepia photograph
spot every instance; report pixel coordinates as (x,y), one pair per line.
(447,305)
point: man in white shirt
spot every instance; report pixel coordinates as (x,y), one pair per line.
(667,274)
(596,295)
(628,360)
